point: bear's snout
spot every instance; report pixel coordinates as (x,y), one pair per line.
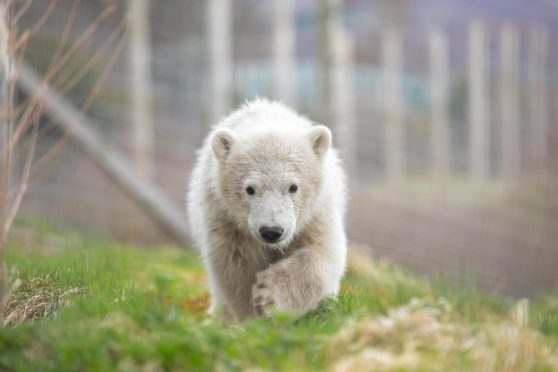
(271,234)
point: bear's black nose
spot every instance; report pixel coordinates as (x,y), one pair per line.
(271,234)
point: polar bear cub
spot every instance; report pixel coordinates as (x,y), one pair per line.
(266,206)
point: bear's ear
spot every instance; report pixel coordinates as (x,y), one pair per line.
(320,139)
(221,143)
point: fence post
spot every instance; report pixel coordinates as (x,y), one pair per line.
(343,97)
(325,21)
(394,111)
(538,97)
(478,97)
(509,101)
(284,52)
(220,70)
(140,86)
(337,79)
(439,83)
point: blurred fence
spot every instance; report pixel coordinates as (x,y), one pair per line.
(447,128)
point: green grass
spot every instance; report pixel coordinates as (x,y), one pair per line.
(86,304)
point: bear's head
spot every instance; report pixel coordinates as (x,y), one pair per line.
(271,181)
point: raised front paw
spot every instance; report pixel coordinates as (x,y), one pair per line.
(262,294)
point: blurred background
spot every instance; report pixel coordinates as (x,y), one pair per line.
(444,112)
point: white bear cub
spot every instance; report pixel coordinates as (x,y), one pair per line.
(266,204)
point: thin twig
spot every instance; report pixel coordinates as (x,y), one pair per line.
(5,105)
(23,185)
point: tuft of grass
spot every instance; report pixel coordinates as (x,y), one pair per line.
(36,298)
(85,304)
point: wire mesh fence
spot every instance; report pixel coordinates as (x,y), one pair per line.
(445,119)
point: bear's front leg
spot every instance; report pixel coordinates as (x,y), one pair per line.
(231,284)
(298,283)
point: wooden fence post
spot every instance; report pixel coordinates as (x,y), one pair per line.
(220,58)
(337,78)
(140,86)
(343,98)
(284,59)
(478,102)
(325,20)
(394,109)
(538,98)
(509,101)
(439,88)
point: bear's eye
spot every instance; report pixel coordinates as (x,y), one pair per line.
(293,189)
(250,190)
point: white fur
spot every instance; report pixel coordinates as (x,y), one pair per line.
(268,147)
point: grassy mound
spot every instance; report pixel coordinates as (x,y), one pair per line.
(88,305)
